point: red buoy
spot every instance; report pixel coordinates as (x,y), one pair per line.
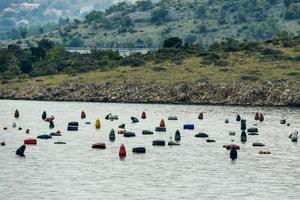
(27,131)
(256,116)
(30,141)
(261,117)
(51,118)
(99,145)
(83,115)
(17,114)
(143,115)
(200,116)
(122,151)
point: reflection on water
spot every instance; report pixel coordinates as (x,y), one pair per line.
(193,170)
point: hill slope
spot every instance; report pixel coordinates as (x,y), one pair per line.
(248,73)
(147,24)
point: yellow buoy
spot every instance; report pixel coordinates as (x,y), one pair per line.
(264,152)
(98,124)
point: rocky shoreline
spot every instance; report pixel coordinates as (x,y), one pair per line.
(270,93)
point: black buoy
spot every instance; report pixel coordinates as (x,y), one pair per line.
(243,125)
(122,126)
(177,136)
(45,137)
(238,118)
(112,135)
(44,115)
(51,124)
(129,134)
(134,120)
(147,132)
(233,153)
(243,136)
(226,121)
(139,150)
(20,151)
(2,143)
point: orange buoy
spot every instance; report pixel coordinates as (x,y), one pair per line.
(17,114)
(122,151)
(261,117)
(30,141)
(256,116)
(200,116)
(27,131)
(83,115)
(143,115)
(162,123)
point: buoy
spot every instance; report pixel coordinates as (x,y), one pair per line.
(261,117)
(294,136)
(252,130)
(177,136)
(122,151)
(200,116)
(113,117)
(83,115)
(160,129)
(172,118)
(112,135)
(20,128)
(238,118)
(17,114)
(229,146)
(2,143)
(51,124)
(258,144)
(282,121)
(158,143)
(87,123)
(27,131)
(20,151)
(73,126)
(44,115)
(226,121)
(243,125)
(143,115)
(253,133)
(139,150)
(45,137)
(233,153)
(31,141)
(51,118)
(231,133)
(129,134)
(55,134)
(121,131)
(99,145)
(256,116)
(210,140)
(188,126)
(122,126)
(264,152)
(14,125)
(162,123)
(5,128)
(243,136)
(288,124)
(98,124)
(173,143)
(134,120)
(201,135)
(147,132)
(60,142)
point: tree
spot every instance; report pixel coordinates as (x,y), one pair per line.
(173,42)
(144,5)
(26,66)
(200,11)
(159,15)
(23,33)
(76,41)
(46,44)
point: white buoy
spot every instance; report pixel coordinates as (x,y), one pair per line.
(294,136)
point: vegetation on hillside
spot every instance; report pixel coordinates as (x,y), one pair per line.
(229,60)
(197,22)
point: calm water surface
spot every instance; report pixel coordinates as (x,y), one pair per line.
(194,170)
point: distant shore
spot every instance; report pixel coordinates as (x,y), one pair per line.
(270,93)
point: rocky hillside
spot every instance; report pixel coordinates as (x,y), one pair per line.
(201,22)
